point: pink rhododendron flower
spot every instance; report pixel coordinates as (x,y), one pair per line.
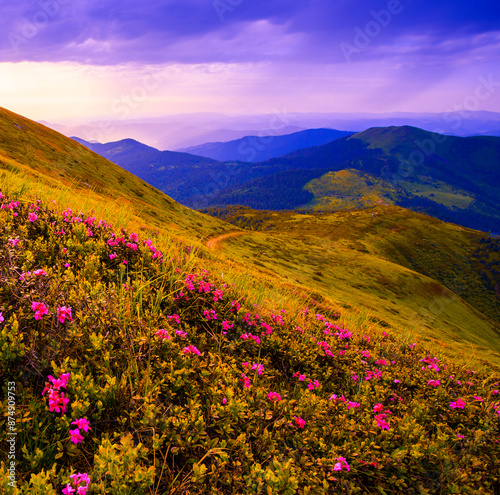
(40,309)
(227,325)
(112,256)
(1,317)
(81,481)
(341,464)
(274,396)
(299,422)
(181,334)
(32,217)
(162,334)
(381,422)
(82,423)
(191,349)
(75,436)
(459,404)
(378,407)
(39,272)
(433,383)
(246,381)
(63,313)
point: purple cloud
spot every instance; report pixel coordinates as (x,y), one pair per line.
(109,32)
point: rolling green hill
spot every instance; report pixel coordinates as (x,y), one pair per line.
(348,352)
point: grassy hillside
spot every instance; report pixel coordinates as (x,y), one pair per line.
(130,370)
(36,157)
(134,360)
(407,270)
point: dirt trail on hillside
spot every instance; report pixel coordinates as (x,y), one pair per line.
(214,243)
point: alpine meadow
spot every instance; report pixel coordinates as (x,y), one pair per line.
(249,248)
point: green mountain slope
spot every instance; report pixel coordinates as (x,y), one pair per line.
(405,269)
(454,179)
(44,157)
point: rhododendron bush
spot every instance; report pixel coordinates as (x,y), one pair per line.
(138,371)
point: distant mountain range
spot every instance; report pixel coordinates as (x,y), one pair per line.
(266,146)
(173,132)
(455,179)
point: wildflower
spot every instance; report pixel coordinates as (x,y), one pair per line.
(61,382)
(40,309)
(378,408)
(210,314)
(227,325)
(191,349)
(433,383)
(82,423)
(224,400)
(1,317)
(112,256)
(341,464)
(397,381)
(39,272)
(13,242)
(181,334)
(299,422)
(133,237)
(299,376)
(81,481)
(246,381)
(274,396)
(75,436)
(381,422)
(176,318)
(57,401)
(479,399)
(218,295)
(460,436)
(382,362)
(63,313)
(32,217)
(459,404)
(351,404)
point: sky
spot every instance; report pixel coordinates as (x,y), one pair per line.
(71,60)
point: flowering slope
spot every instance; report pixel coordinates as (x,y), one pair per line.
(137,372)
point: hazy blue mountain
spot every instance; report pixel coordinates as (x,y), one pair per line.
(260,148)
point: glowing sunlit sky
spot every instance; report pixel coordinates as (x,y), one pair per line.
(75,59)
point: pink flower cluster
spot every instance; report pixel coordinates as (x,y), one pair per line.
(341,464)
(459,404)
(162,334)
(227,325)
(249,336)
(350,404)
(75,435)
(191,349)
(246,381)
(274,396)
(64,313)
(210,314)
(380,418)
(80,481)
(433,383)
(298,422)
(57,401)
(40,310)
(254,367)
